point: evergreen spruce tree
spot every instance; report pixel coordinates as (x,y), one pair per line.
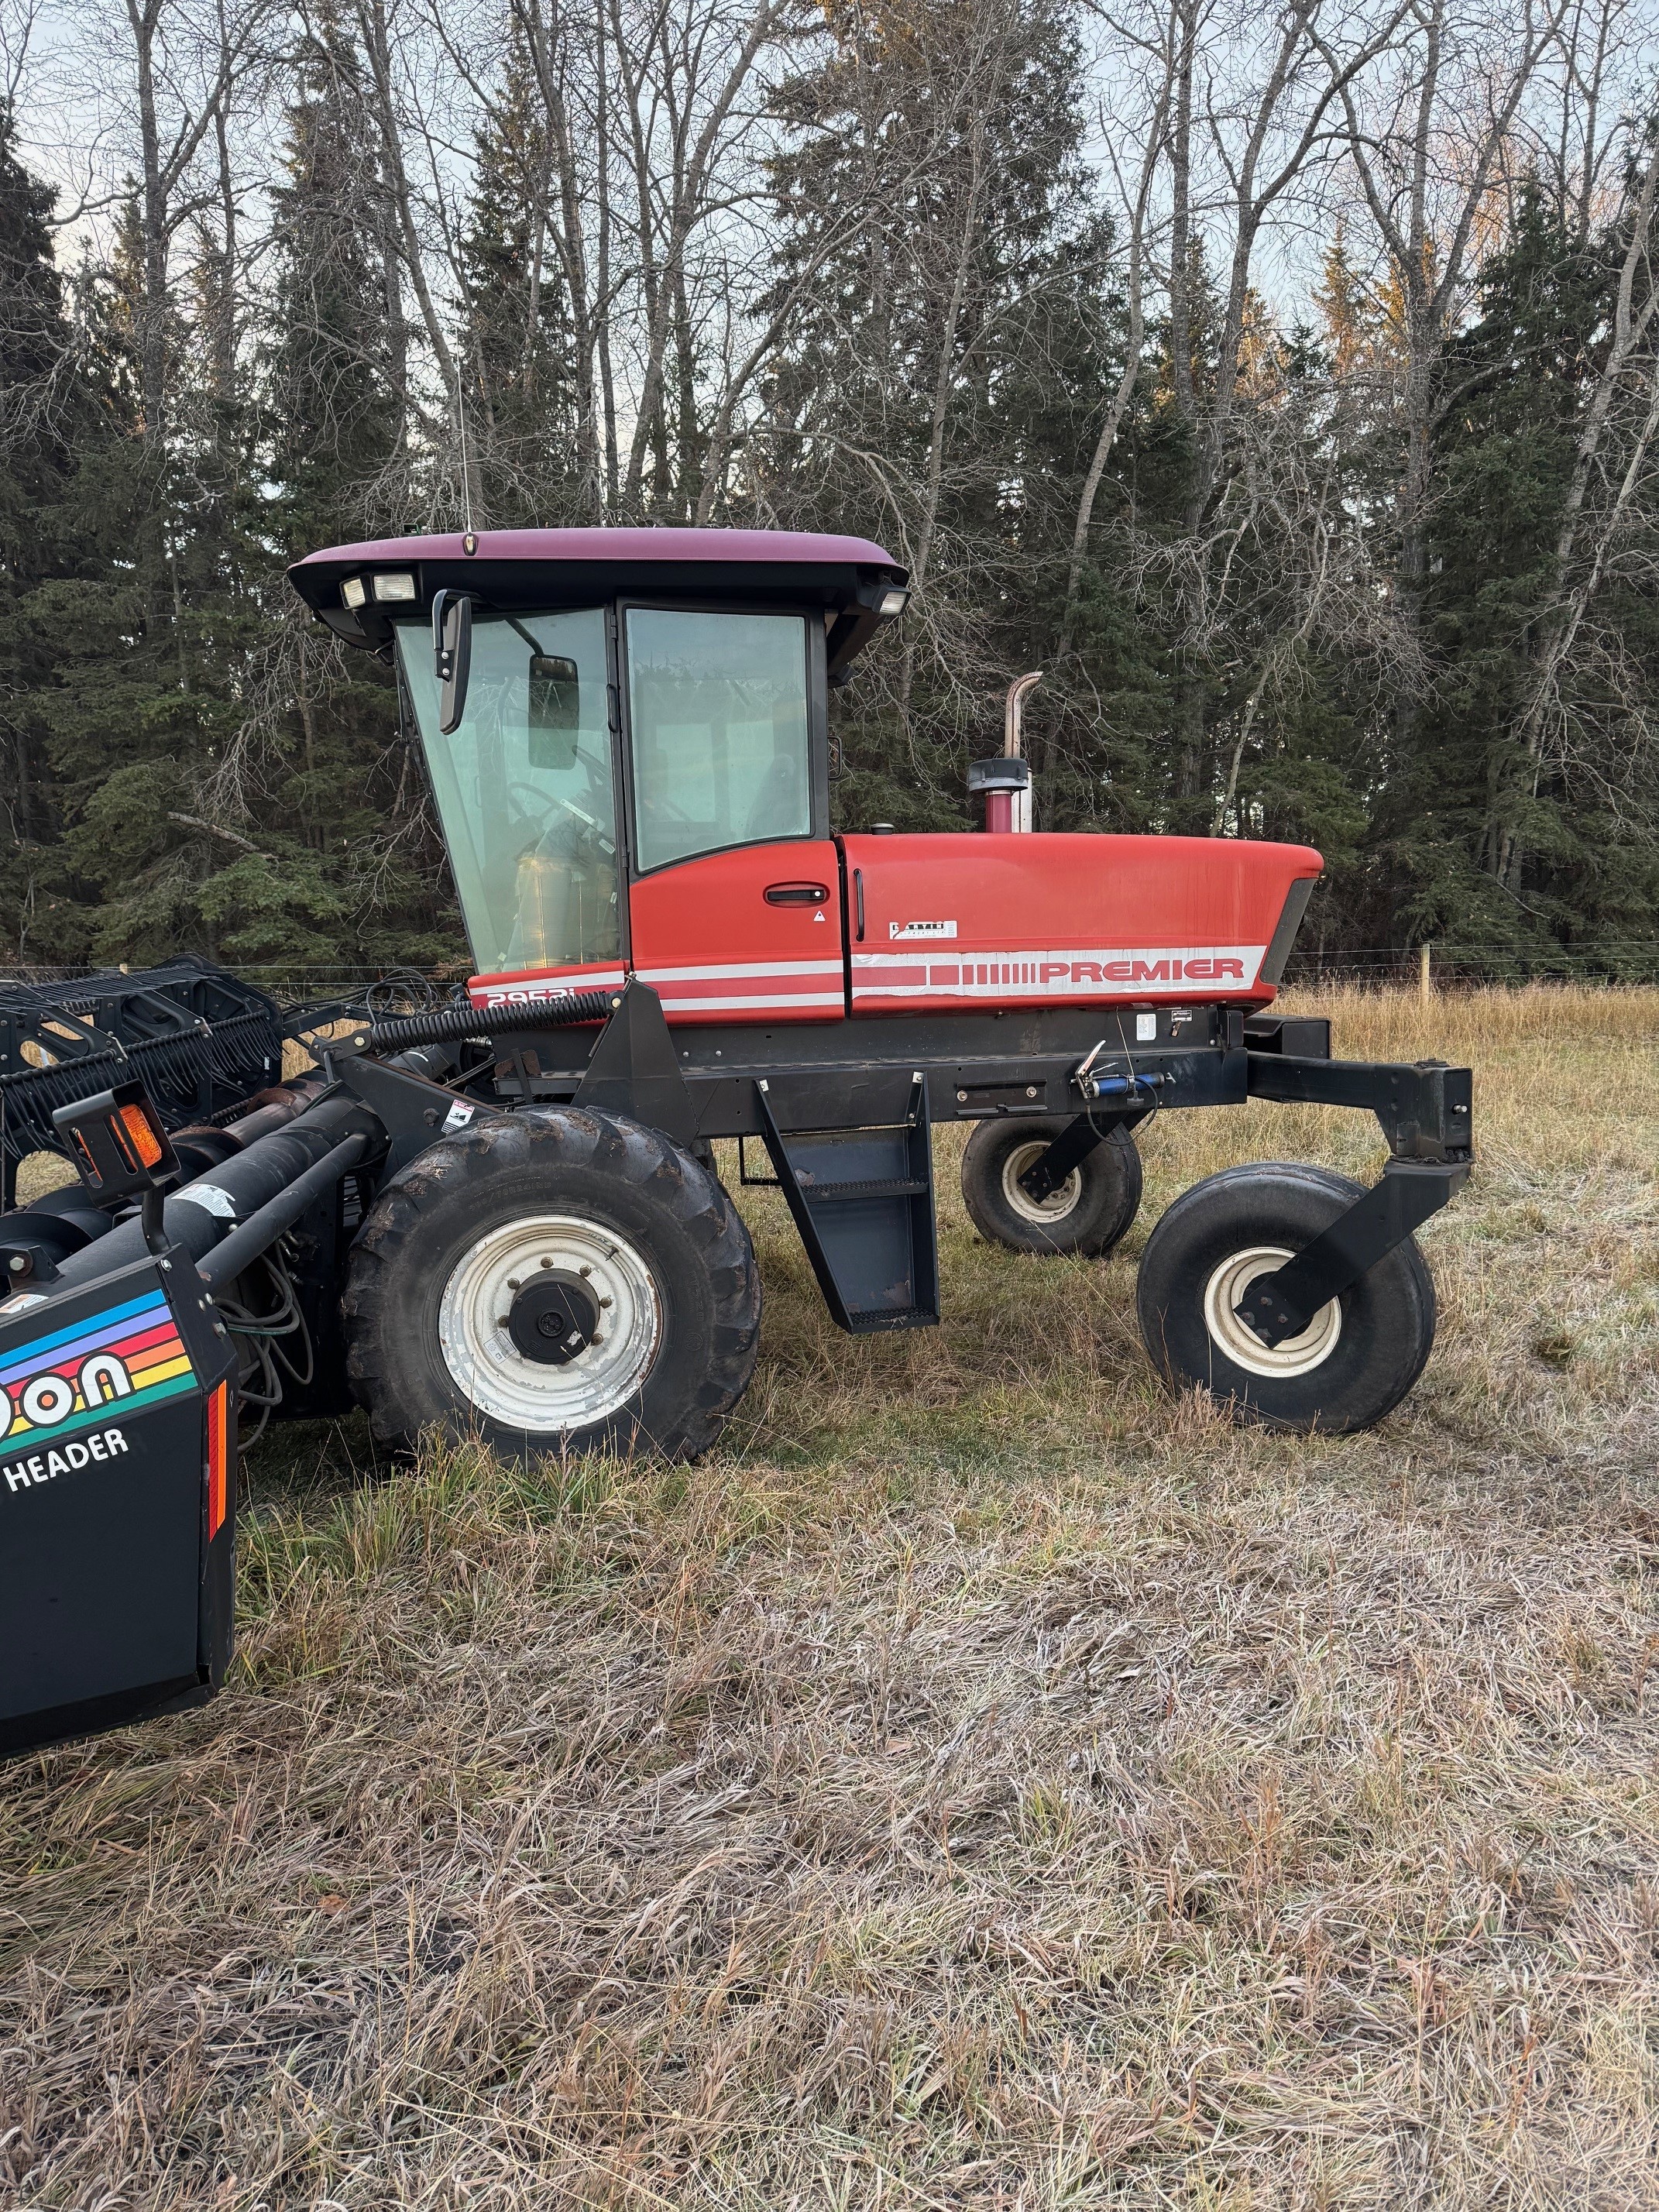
(935,224)
(1490,849)
(346,866)
(520,379)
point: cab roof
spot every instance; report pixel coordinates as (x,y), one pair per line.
(847,577)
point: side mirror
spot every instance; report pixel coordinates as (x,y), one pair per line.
(452,655)
(555,710)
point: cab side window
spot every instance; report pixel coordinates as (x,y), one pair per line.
(717,710)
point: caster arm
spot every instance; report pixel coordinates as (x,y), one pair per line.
(1282,1305)
(1073,1146)
(1426,1112)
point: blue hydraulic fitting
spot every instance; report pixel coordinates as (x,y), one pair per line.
(1120,1086)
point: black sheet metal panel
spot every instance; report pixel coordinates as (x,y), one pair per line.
(977,1065)
(116,1587)
(863,1200)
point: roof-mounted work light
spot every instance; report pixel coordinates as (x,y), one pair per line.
(396,584)
(353,593)
(892,603)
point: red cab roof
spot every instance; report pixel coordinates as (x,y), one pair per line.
(796,547)
(847,577)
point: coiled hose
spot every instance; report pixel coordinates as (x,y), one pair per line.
(453,1022)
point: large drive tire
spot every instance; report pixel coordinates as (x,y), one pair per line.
(1088,1213)
(554,1279)
(1358,1357)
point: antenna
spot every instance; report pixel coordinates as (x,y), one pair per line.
(466,473)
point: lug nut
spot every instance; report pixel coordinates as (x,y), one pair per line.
(605,1302)
(584,1273)
(511,1282)
(547,1263)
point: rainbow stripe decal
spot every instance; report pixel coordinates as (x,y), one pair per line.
(130,1356)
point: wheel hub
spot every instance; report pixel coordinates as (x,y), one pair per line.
(554,1317)
(1231,1334)
(1058,1204)
(516,1299)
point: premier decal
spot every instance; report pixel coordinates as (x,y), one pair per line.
(1071,972)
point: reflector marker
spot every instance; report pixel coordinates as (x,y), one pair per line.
(218,1459)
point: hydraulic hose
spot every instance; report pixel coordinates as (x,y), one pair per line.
(260,1230)
(452,1023)
(210,1208)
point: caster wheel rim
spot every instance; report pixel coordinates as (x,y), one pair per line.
(1056,1206)
(618,1306)
(1238,1342)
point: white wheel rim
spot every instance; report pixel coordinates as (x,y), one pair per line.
(1297,1355)
(488,1368)
(1056,1206)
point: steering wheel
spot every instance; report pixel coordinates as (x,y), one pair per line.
(539,801)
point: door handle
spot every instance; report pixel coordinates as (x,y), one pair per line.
(796,894)
(858,895)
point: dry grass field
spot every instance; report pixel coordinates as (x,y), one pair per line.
(985,1784)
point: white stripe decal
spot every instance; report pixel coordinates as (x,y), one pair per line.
(678,1006)
(1113,970)
(738,970)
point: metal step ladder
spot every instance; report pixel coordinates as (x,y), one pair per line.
(863,1201)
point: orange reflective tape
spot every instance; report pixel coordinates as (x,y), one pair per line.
(218,1459)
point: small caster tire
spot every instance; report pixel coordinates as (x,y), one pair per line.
(553,1280)
(1088,1214)
(1358,1357)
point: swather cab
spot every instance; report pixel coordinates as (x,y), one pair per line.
(638,784)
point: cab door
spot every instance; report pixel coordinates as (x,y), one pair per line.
(734,902)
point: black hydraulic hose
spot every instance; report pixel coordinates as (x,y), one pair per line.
(209,1208)
(260,1230)
(456,1022)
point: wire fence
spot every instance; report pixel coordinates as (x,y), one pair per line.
(1449,966)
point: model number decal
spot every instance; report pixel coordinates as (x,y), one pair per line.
(922,929)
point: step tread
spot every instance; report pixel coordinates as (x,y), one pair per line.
(878,1187)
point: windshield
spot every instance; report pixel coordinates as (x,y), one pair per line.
(524,787)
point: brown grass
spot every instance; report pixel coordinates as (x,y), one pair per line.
(984,1784)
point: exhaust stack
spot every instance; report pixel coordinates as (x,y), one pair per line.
(1005,780)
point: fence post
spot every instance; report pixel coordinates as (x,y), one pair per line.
(1425,981)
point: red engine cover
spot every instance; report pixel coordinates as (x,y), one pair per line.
(942,924)
(947,923)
